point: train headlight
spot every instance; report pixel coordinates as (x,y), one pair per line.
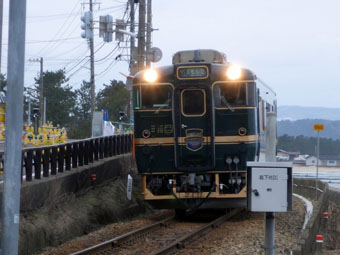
(234,72)
(150,75)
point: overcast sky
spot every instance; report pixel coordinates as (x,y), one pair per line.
(294,46)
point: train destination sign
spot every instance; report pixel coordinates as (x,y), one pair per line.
(192,72)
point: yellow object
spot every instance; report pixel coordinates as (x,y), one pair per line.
(2,112)
(318,127)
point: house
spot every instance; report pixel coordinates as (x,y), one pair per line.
(283,155)
(324,160)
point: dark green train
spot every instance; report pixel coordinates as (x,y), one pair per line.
(197,123)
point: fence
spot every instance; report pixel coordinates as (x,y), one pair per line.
(44,161)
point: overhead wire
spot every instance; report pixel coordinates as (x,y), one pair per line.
(60,30)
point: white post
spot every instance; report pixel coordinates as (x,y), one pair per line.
(269,240)
(317,166)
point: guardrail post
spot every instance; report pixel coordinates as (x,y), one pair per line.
(129,143)
(28,165)
(86,153)
(74,155)
(46,162)
(37,164)
(114,145)
(106,147)
(101,148)
(126,143)
(119,144)
(96,149)
(81,154)
(61,158)
(110,141)
(54,160)
(68,154)
(91,151)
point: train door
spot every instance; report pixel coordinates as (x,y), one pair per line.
(194,129)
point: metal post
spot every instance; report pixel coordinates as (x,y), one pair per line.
(41,91)
(132,64)
(14,122)
(44,121)
(271,137)
(269,240)
(29,112)
(1,19)
(149,30)
(93,102)
(141,36)
(317,166)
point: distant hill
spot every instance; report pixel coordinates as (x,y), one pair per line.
(305,127)
(301,112)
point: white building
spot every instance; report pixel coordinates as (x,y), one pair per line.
(324,160)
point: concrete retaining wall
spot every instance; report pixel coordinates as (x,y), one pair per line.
(59,208)
(331,226)
(38,193)
(306,243)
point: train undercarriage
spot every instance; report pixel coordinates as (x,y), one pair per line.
(195,190)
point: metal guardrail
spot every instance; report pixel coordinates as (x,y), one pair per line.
(44,161)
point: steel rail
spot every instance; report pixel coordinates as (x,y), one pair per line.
(132,235)
(181,242)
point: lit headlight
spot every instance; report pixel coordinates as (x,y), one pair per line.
(234,72)
(150,75)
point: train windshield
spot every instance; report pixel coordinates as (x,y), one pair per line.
(152,96)
(235,94)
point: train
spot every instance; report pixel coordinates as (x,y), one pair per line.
(196,124)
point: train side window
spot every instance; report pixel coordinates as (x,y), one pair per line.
(193,102)
(156,96)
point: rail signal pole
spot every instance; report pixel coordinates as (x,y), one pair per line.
(318,128)
(148,31)
(88,34)
(141,36)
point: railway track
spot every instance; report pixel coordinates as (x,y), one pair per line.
(163,237)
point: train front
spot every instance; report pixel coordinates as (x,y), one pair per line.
(195,129)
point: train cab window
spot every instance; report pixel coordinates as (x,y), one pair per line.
(193,102)
(153,97)
(234,94)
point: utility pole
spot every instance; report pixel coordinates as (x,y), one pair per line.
(93,102)
(41,92)
(132,64)
(14,121)
(141,36)
(148,31)
(1,19)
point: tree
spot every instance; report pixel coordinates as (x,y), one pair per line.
(3,83)
(115,98)
(83,107)
(60,99)
(81,125)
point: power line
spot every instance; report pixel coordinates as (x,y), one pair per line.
(60,29)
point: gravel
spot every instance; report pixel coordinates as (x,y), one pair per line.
(241,235)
